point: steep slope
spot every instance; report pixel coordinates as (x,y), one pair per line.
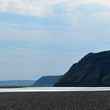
(91,70)
(46,81)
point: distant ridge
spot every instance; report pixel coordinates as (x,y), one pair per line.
(16,83)
(46,81)
(92,70)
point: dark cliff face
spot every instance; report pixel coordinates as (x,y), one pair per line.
(91,70)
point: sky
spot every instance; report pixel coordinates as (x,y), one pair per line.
(45,37)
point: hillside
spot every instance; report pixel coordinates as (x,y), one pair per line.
(92,70)
(46,81)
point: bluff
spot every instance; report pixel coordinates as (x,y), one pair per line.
(92,70)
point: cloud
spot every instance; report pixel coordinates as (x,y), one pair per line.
(31,7)
(58,15)
(44,8)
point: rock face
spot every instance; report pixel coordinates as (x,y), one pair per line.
(91,70)
(46,81)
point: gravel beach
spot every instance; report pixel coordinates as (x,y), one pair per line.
(55,100)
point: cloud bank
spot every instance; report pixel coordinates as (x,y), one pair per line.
(44,7)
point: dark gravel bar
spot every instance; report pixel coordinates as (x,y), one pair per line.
(55,101)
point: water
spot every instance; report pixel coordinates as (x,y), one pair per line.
(54,89)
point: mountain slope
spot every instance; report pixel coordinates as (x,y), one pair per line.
(92,70)
(46,81)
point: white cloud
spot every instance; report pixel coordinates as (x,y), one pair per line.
(31,7)
(43,7)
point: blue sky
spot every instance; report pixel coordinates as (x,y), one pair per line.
(46,37)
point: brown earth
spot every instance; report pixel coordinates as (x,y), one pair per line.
(55,101)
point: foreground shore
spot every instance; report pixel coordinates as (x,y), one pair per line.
(85,100)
